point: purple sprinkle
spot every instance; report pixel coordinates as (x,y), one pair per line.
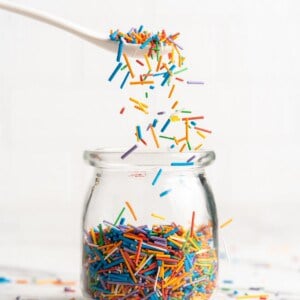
(129,151)
(148,127)
(148,296)
(161,112)
(171,40)
(194,82)
(191,158)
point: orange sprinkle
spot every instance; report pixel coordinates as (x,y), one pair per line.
(142,82)
(128,265)
(158,63)
(182,147)
(187,130)
(171,91)
(193,118)
(128,65)
(21,281)
(181,140)
(167,68)
(174,104)
(154,136)
(138,252)
(131,210)
(192,224)
(141,109)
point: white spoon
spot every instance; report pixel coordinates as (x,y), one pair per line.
(83,33)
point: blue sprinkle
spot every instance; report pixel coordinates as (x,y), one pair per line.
(164,193)
(165,125)
(156,177)
(120,50)
(124,81)
(111,77)
(152,87)
(140,29)
(182,164)
(154,123)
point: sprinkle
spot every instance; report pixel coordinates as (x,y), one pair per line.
(171,91)
(113,74)
(253,296)
(119,216)
(93,236)
(179,79)
(165,125)
(120,50)
(194,82)
(193,118)
(139,62)
(157,176)
(182,148)
(154,136)
(191,158)
(167,137)
(154,123)
(124,80)
(129,151)
(122,110)
(139,132)
(182,164)
(187,130)
(142,82)
(202,129)
(226,223)
(148,62)
(200,134)
(198,147)
(158,216)
(161,112)
(128,65)
(179,71)
(131,210)
(174,105)
(158,63)
(192,224)
(164,193)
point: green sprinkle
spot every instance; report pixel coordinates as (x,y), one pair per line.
(166,137)
(146,94)
(182,70)
(119,216)
(100,241)
(125,66)
(189,146)
(186,111)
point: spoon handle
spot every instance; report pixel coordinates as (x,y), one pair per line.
(53,21)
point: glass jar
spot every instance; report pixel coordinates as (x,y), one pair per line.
(150,228)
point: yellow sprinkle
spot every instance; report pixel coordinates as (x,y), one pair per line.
(154,136)
(142,82)
(226,223)
(93,236)
(175,118)
(138,102)
(198,147)
(201,134)
(148,62)
(128,65)
(141,109)
(158,63)
(158,216)
(253,296)
(171,91)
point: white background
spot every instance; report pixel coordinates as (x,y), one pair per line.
(55,102)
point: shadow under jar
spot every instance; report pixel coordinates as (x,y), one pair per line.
(149,234)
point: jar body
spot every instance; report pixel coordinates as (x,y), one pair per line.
(149,240)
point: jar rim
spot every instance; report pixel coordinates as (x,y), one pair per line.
(111,158)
